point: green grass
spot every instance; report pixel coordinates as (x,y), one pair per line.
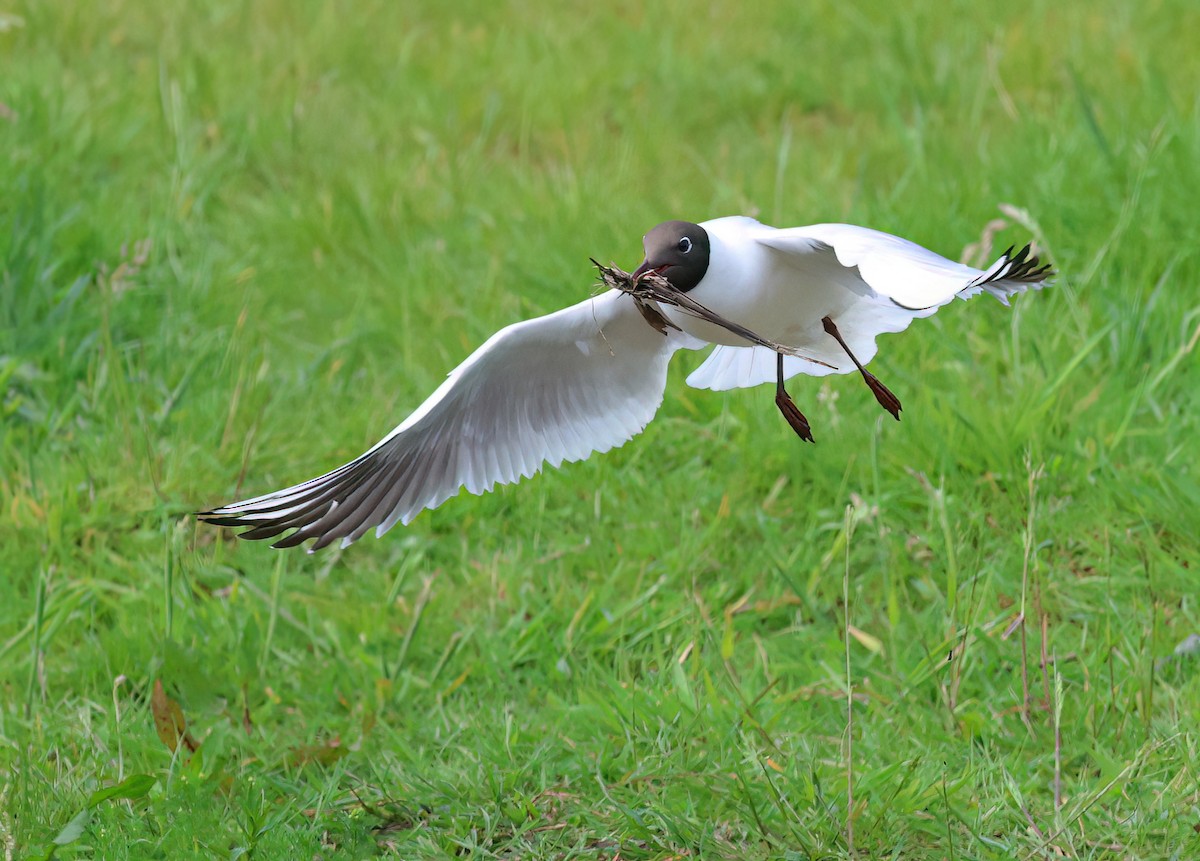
(240,241)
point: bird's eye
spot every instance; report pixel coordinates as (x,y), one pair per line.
(685,245)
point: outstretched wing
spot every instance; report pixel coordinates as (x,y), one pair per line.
(911,276)
(552,389)
(895,282)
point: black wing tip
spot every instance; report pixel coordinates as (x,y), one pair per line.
(1023,267)
(304,508)
(294,540)
(257,530)
(216,517)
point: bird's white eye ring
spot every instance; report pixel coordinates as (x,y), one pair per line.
(685,245)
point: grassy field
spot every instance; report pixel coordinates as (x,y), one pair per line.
(239,241)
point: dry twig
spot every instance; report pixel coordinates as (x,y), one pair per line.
(652,288)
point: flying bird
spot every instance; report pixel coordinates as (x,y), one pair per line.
(588,378)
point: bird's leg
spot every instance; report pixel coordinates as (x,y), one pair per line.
(886,399)
(788,407)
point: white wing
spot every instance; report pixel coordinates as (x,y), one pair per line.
(910,275)
(887,282)
(552,389)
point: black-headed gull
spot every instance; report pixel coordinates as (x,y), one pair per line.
(589,377)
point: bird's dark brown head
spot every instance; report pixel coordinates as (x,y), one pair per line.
(677,250)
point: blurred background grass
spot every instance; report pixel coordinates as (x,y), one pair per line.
(241,240)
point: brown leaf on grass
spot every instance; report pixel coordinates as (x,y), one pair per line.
(169,721)
(247,721)
(322,753)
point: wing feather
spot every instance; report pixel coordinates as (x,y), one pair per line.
(549,390)
(909,274)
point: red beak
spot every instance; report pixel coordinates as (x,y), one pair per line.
(646,267)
